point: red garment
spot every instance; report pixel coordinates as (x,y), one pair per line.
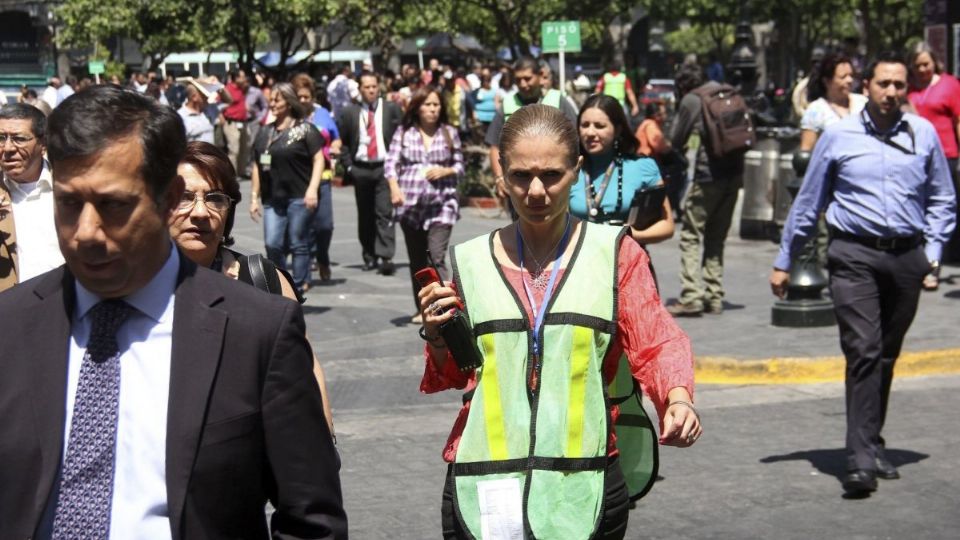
(940,104)
(236,111)
(657,349)
(651,139)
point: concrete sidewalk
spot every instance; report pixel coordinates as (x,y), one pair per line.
(739,346)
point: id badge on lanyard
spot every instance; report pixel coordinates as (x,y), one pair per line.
(265,160)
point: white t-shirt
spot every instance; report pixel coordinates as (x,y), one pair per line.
(820,114)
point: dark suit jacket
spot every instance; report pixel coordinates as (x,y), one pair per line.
(349,124)
(245,420)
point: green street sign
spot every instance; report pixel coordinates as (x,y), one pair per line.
(421,42)
(559,36)
(95,68)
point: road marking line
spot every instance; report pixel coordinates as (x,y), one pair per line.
(726,370)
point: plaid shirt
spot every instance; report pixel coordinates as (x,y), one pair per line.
(426,203)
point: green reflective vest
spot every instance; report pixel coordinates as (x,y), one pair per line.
(551,441)
(513,104)
(615,86)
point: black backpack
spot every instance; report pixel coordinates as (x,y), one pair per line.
(727,125)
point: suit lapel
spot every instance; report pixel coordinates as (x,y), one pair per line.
(198,332)
(49,384)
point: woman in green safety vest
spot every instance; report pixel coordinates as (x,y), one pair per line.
(612,172)
(552,302)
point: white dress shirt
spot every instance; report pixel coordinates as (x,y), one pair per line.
(37,248)
(364,138)
(139,508)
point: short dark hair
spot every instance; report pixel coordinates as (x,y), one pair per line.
(368,73)
(626,141)
(689,76)
(86,122)
(885,57)
(23,111)
(214,166)
(826,68)
(526,62)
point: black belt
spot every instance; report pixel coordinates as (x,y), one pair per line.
(883,244)
(231,121)
(368,164)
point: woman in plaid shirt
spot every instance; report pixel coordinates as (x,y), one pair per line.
(423,168)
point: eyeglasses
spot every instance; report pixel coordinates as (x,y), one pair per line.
(214,201)
(18,140)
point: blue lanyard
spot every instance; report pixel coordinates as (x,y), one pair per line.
(538,322)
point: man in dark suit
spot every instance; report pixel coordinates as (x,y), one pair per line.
(366,131)
(214,410)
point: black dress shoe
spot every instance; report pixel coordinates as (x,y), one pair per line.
(886,470)
(387,268)
(370,264)
(860,482)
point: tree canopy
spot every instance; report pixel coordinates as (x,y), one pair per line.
(165,26)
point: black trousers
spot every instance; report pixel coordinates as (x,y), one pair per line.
(375,226)
(875,295)
(613,522)
(418,241)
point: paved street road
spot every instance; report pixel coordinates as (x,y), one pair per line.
(767,466)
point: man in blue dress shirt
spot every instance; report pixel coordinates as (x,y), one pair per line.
(884,181)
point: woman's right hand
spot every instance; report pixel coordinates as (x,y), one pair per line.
(255,211)
(396,198)
(436,299)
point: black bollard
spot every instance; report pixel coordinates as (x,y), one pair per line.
(804,305)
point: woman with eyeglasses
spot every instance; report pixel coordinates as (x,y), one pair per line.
(288,153)
(202,223)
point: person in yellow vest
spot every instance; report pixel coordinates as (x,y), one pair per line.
(553,302)
(529,80)
(616,84)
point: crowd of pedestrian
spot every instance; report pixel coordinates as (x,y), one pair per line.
(558,312)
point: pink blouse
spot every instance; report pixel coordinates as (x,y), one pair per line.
(658,350)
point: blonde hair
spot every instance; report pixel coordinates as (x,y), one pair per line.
(534,121)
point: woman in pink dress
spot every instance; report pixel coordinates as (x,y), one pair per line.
(935,95)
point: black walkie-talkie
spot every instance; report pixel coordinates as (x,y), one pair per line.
(456,332)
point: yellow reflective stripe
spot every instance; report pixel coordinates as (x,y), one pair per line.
(492,407)
(579,364)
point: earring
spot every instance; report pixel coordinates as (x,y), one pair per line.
(616,146)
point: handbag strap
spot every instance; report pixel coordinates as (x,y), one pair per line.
(258,271)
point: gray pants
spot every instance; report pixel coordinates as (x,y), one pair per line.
(237,138)
(707,214)
(875,296)
(375,225)
(437,240)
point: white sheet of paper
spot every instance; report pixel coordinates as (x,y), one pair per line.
(501,509)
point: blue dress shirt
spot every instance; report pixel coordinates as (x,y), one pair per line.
(139,507)
(874,187)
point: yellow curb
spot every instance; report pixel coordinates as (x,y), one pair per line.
(726,370)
